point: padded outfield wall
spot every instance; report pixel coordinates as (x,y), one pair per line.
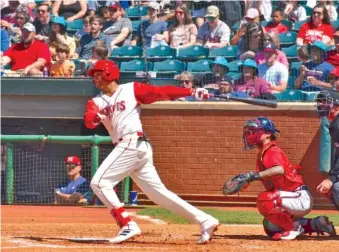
(197,145)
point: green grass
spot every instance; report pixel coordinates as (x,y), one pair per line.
(226,217)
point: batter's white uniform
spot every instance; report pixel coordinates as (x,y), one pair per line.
(131,157)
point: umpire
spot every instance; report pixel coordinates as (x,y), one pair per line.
(328,106)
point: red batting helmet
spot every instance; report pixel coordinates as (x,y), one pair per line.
(110,71)
(72,160)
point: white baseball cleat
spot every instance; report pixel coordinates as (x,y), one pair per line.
(127,232)
(207,230)
(291,235)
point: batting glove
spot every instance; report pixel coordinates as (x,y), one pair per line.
(200,94)
(99,118)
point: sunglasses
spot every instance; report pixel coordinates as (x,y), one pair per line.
(317,13)
(41,11)
(71,165)
(20,18)
(211,18)
(185,81)
(179,12)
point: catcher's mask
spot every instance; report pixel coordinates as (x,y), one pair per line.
(325,103)
(254,129)
(109,70)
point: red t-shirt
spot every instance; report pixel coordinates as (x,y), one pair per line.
(310,34)
(333,58)
(22,57)
(278,28)
(272,156)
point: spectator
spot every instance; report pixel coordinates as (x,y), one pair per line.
(294,11)
(275,25)
(317,29)
(59,36)
(252,16)
(269,38)
(230,11)
(183,33)
(21,17)
(119,29)
(303,54)
(253,42)
(314,74)
(198,8)
(86,28)
(104,13)
(254,86)
(69,9)
(214,33)
(63,67)
(42,22)
(4,41)
(187,81)
(28,57)
(99,52)
(333,79)
(273,71)
(8,13)
(96,6)
(152,32)
(77,190)
(333,55)
(88,41)
(331,9)
(264,7)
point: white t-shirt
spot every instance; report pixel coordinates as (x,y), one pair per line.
(274,74)
(299,14)
(220,33)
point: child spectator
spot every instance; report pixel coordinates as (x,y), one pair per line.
(276,25)
(303,54)
(63,67)
(294,11)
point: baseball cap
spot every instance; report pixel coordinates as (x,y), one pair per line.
(29,27)
(72,160)
(320,45)
(252,13)
(154,5)
(212,11)
(59,20)
(270,47)
(115,6)
(221,61)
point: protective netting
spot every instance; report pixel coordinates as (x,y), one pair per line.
(40,169)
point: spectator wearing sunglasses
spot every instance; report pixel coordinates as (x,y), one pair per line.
(252,43)
(183,33)
(317,29)
(187,81)
(42,22)
(76,190)
(214,33)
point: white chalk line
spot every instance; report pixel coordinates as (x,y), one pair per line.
(148,218)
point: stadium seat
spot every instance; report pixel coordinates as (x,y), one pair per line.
(133,66)
(297,25)
(308,10)
(132,12)
(199,66)
(264,23)
(234,75)
(288,23)
(192,53)
(169,66)
(234,65)
(164,82)
(291,53)
(335,24)
(309,96)
(142,11)
(295,66)
(228,52)
(135,25)
(289,95)
(75,25)
(287,38)
(126,53)
(291,82)
(160,53)
(236,26)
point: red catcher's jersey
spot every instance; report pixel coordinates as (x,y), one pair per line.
(270,156)
(122,109)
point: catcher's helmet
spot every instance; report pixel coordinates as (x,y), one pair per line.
(326,99)
(110,71)
(254,129)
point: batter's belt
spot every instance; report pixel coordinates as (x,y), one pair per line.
(141,137)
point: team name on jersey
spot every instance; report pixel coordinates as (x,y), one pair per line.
(118,106)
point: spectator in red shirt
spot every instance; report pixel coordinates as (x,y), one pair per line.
(28,57)
(275,25)
(317,29)
(333,55)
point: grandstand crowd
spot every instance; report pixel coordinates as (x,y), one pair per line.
(261,48)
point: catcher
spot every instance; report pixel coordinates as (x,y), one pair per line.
(286,199)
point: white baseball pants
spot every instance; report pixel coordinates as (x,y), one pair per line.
(135,159)
(298,203)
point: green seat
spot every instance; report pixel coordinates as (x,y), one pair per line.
(287,39)
(199,66)
(132,12)
(289,95)
(125,53)
(164,82)
(228,52)
(234,76)
(133,66)
(287,23)
(291,53)
(234,65)
(308,10)
(135,25)
(75,25)
(309,96)
(160,53)
(236,26)
(295,66)
(192,53)
(335,24)
(169,66)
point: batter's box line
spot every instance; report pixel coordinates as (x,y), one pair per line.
(148,218)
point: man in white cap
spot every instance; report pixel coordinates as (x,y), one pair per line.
(152,31)
(214,33)
(28,57)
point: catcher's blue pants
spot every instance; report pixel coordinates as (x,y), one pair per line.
(335,194)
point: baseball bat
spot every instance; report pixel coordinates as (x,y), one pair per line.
(253,101)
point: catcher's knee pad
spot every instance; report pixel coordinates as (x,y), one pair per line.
(270,228)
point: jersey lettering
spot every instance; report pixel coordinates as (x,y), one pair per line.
(119,106)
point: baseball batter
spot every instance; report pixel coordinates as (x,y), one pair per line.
(286,199)
(118,108)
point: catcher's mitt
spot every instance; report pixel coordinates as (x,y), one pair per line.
(235,184)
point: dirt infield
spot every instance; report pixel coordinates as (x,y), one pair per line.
(43,228)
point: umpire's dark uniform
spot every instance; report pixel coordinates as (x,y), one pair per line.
(334,172)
